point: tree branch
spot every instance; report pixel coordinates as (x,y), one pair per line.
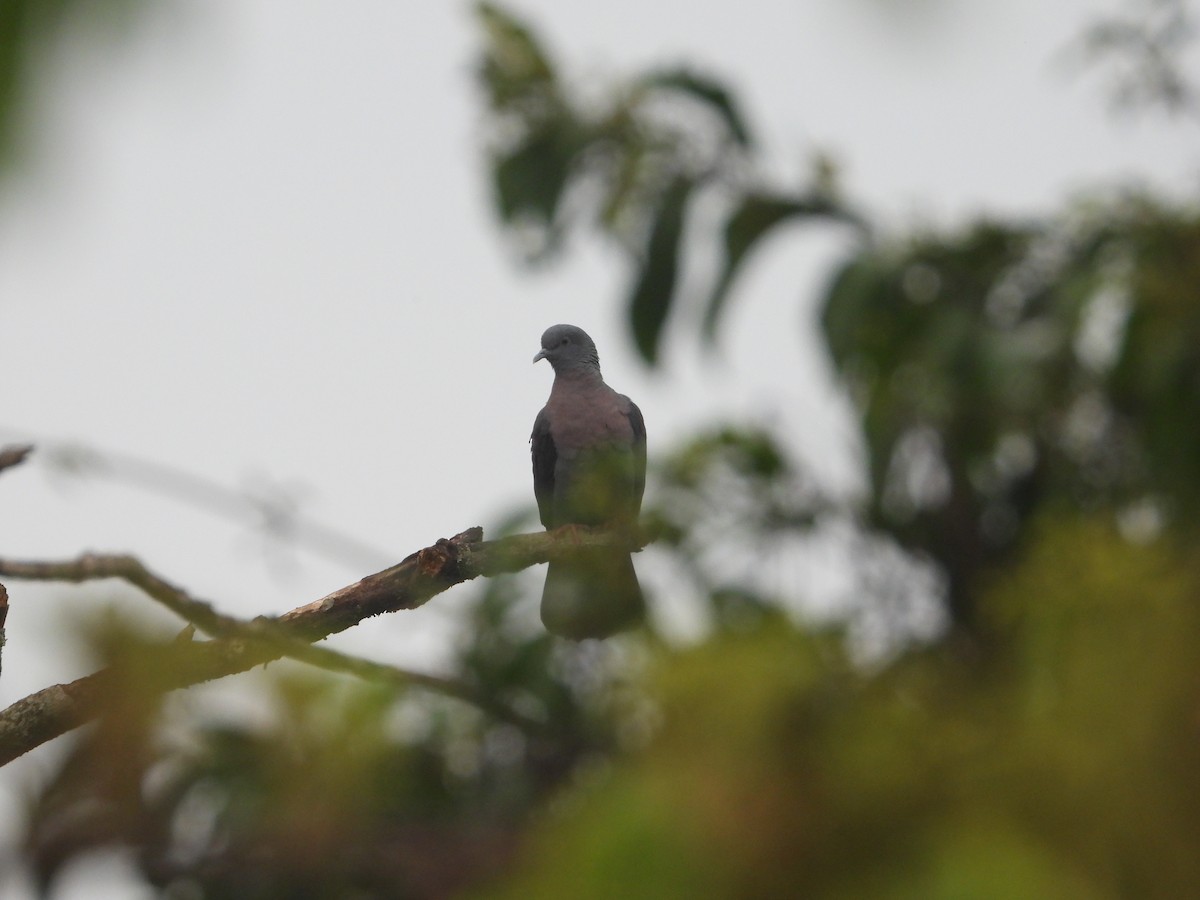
(238,646)
(14,455)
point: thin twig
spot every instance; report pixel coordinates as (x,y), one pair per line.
(14,455)
(269,507)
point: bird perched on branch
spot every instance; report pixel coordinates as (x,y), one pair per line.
(589,468)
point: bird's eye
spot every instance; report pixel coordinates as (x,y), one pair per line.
(565,341)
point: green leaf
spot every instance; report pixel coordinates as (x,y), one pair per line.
(650,300)
(514,54)
(710,93)
(853,293)
(757,214)
(529,180)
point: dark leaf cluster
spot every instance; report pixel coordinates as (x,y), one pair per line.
(632,165)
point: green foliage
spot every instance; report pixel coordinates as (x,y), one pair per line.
(1068,766)
(708,92)
(999,371)
(1020,367)
(1027,394)
(344,789)
(727,503)
(758,763)
(650,302)
(755,215)
(633,168)
(26,31)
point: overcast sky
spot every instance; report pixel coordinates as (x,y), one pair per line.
(253,240)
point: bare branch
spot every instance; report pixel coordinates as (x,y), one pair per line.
(93,567)
(270,508)
(239,646)
(369,670)
(14,455)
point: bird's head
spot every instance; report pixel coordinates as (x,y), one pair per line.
(568,349)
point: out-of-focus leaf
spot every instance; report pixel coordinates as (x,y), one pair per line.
(29,28)
(779,770)
(653,293)
(707,91)
(754,217)
(1050,361)
(94,800)
(514,57)
(538,133)
(530,180)
(627,176)
(1156,376)
(848,300)
(753,453)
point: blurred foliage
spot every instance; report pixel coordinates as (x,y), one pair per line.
(1000,370)
(1072,770)
(1027,393)
(728,502)
(631,164)
(1144,51)
(29,29)
(1014,368)
(348,789)
(760,762)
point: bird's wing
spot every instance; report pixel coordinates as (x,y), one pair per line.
(545,456)
(638,424)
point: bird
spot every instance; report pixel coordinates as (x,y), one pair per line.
(589,468)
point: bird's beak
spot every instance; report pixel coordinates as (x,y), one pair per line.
(541,354)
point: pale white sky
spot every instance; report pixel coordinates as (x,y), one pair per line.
(255,237)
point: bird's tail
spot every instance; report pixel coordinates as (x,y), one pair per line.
(592,594)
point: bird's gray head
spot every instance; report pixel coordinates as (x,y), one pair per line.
(569,349)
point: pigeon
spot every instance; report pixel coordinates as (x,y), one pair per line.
(589,468)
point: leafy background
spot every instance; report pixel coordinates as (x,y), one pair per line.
(998,697)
